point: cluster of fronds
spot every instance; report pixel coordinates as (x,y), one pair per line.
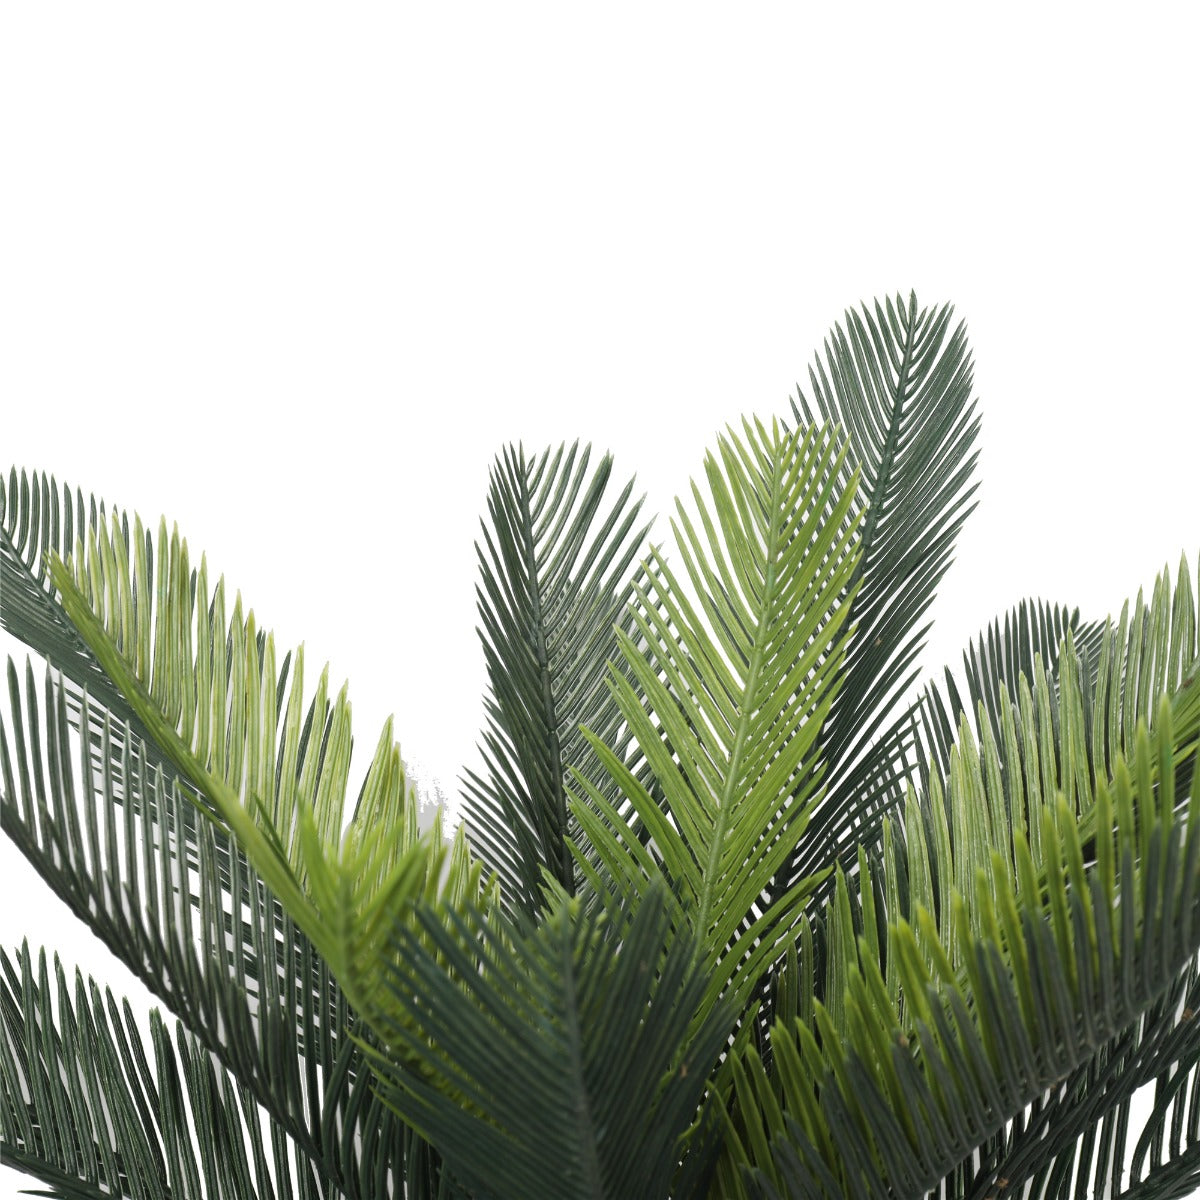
(728,916)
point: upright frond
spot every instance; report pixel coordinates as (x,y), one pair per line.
(726,701)
(898,380)
(553,567)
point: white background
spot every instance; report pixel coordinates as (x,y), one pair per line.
(293,276)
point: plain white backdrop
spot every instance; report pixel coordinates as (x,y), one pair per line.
(291,277)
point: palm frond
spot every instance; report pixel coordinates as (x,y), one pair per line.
(557,1058)
(728,719)
(1121,668)
(38,519)
(206,695)
(255,992)
(967,1016)
(899,382)
(86,1110)
(553,570)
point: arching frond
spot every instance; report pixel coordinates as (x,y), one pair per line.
(206,695)
(1026,972)
(553,567)
(992,665)
(38,518)
(85,1109)
(727,711)
(1077,1138)
(253,990)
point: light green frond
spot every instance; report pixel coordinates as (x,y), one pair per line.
(206,694)
(732,689)
(553,581)
(558,1058)
(1084,699)
(85,1109)
(992,666)
(1147,652)
(38,519)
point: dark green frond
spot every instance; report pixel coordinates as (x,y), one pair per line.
(992,665)
(247,982)
(1077,1138)
(553,567)
(86,1110)
(560,1058)
(38,518)
(898,381)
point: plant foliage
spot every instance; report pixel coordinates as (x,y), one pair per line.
(734,912)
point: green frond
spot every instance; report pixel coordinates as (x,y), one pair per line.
(727,711)
(1014,975)
(1077,1138)
(85,1109)
(557,1058)
(553,581)
(37,519)
(750,927)
(206,694)
(1114,672)
(898,380)
(247,982)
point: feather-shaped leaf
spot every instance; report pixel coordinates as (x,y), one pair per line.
(993,664)
(1010,989)
(85,1109)
(200,690)
(727,710)
(255,992)
(553,567)
(559,1058)
(898,380)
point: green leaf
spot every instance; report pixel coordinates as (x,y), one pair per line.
(247,983)
(563,1050)
(727,711)
(85,1109)
(992,667)
(1010,989)
(180,666)
(553,568)
(899,382)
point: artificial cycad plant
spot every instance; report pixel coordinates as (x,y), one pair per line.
(735,910)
